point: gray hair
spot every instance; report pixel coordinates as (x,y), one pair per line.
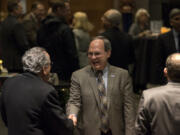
(34,60)
(174,12)
(113,16)
(139,12)
(107,43)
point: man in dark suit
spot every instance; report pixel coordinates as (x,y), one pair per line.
(85,103)
(159,109)
(57,37)
(168,43)
(13,39)
(122,50)
(29,105)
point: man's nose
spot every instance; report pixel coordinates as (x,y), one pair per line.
(93,56)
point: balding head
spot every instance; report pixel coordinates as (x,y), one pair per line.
(174,12)
(173,67)
(113,16)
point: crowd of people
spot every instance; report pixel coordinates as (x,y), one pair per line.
(99,70)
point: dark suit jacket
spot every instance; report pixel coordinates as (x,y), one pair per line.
(84,101)
(164,47)
(58,39)
(31,107)
(13,43)
(159,111)
(122,49)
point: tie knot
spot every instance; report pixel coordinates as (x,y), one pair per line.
(99,73)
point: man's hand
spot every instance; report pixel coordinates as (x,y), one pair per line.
(73,118)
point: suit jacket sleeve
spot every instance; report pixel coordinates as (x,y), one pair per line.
(74,102)
(142,123)
(129,106)
(54,118)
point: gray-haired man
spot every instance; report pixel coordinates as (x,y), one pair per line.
(30,105)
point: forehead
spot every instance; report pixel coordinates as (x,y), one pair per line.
(97,44)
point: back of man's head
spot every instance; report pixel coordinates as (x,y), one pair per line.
(12,5)
(113,16)
(34,60)
(55,4)
(173,67)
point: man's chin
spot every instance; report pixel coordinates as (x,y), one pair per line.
(97,68)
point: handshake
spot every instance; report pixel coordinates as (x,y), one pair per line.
(73,117)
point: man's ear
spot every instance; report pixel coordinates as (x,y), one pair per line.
(109,53)
(165,72)
(44,71)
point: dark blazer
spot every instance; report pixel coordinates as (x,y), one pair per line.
(159,111)
(31,107)
(13,43)
(84,101)
(165,47)
(58,39)
(122,53)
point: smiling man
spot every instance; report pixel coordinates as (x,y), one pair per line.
(101,96)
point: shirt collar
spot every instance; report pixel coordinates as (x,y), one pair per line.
(175,33)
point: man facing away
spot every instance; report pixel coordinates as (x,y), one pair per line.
(159,108)
(122,49)
(57,38)
(101,105)
(29,105)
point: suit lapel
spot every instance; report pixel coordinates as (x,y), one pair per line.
(93,84)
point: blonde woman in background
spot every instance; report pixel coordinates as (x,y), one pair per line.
(81,29)
(141,26)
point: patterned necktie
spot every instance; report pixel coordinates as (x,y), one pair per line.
(103,103)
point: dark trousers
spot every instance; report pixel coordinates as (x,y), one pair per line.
(108,133)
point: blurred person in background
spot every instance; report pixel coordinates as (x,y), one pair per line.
(168,43)
(57,37)
(33,20)
(122,49)
(13,38)
(81,29)
(2,17)
(141,26)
